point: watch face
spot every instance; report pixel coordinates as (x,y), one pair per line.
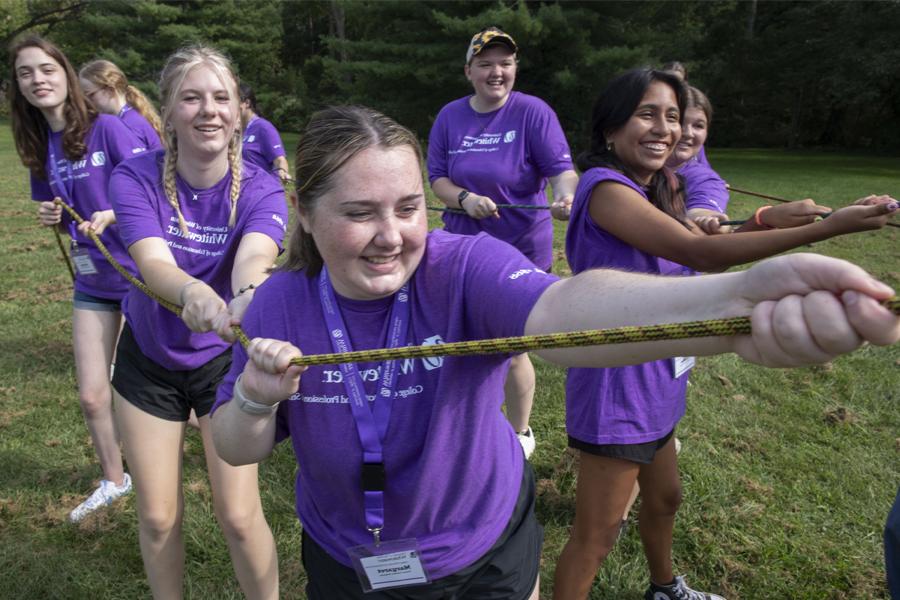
(463,195)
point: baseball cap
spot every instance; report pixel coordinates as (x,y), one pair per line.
(491,35)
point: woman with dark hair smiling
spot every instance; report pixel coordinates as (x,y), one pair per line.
(629,214)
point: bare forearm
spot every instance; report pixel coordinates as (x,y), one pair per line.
(601,299)
(446,191)
(241,438)
(564,184)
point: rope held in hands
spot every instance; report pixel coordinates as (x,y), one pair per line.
(767,197)
(568,339)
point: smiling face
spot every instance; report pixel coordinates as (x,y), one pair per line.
(694,129)
(42,80)
(493,75)
(204,114)
(370,227)
(646,140)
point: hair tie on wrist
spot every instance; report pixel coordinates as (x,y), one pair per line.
(758,214)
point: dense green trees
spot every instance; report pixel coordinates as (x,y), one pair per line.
(794,74)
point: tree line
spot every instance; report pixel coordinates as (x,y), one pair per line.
(822,74)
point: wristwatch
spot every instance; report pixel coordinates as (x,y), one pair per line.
(462,196)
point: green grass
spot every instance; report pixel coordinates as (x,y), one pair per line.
(780,501)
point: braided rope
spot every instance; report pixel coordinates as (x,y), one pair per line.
(567,339)
(65,255)
(462,212)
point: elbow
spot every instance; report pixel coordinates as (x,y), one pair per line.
(232,450)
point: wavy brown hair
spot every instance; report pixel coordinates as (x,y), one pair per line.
(30,129)
(332,137)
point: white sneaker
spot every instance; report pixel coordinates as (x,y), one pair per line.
(102,496)
(526,438)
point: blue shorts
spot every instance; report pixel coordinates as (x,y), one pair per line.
(84,301)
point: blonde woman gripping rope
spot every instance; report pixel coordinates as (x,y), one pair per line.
(203,229)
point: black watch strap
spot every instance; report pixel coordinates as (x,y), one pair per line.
(462,196)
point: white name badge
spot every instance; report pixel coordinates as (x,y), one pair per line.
(83,263)
(682,364)
(388,565)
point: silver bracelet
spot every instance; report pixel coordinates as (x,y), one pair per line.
(249,406)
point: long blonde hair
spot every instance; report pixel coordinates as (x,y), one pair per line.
(172,78)
(106,75)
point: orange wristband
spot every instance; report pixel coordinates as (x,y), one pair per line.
(758,214)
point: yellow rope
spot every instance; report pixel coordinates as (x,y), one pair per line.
(590,337)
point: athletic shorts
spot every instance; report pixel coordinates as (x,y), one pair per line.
(164,393)
(87,302)
(508,571)
(639,453)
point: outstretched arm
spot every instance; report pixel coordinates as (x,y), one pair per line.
(805,309)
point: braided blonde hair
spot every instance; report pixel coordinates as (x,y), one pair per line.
(172,78)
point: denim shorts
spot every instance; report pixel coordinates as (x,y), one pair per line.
(84,301)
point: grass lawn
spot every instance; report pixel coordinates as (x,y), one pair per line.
(785,496)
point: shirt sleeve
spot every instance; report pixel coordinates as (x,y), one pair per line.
(501,288)
(134,213)
(547,145)
(269,212)
(40,189)
(121,143)
(437,162)
(270,144)
(705,189)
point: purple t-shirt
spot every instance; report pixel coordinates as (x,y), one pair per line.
(455,498)
(622,405)
(261,144)
(703,186)
(141,127)
(207,252)
(506,155)
(82,184)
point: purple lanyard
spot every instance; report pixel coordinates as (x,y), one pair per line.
(125,109)
(66,191)
(371,425)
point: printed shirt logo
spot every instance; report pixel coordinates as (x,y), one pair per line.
(433,362)
(98,159)
(250,139)
(510,136)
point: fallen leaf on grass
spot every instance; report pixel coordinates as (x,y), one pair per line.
(739,397)
(897,444)
(724,381)
(839,416)
(52,443)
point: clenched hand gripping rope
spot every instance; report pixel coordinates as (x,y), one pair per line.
(568,339)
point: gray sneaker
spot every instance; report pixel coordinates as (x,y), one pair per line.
(677,591)
(102,496)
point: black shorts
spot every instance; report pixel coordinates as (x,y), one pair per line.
(508,571)
(164,393)
(639,453)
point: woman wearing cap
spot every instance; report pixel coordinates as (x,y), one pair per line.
(498,146)
(364,272)
(262,144)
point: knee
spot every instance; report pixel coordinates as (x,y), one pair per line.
(666,502)
(238,522)
(95,401)
(595,545)
(158,523)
